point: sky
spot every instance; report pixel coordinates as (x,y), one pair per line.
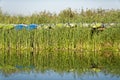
(28,7)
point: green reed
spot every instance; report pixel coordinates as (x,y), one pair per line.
(63,38)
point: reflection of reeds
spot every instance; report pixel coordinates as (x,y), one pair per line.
(62,38)
(59,61)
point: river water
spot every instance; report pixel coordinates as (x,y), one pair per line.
(51,75)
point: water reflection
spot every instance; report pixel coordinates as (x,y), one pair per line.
(59,65)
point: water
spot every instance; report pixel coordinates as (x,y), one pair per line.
(59,65)
(51,75)
(27,7)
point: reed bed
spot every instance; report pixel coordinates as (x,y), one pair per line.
(60,38)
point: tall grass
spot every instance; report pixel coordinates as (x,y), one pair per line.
(63,38)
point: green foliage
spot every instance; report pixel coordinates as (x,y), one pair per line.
(67,15)
(63,38)
(8,26)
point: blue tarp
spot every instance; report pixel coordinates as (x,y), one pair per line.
(31,26)
(27,27)
(19,26)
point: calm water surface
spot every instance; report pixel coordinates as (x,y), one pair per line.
(59,65)
(51,75)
